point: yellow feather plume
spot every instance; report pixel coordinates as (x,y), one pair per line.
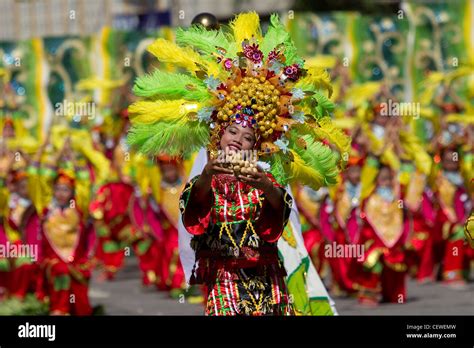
(327,130)
(148,112)
(184,57)
(213,68)
(304,174)
(376,145)
(317,77)
(169,52)
(245,26)
(27,144)
(429,86)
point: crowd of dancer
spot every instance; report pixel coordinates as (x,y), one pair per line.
(403,201)
(72,205)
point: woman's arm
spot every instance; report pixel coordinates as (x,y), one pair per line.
(262,182)
(200,197)
(276,206)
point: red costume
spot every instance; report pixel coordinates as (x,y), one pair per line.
(343,228)
(20,227)
(382,270)
(112,225)
(309,205)
(418,200)
(65,264)
(450,249)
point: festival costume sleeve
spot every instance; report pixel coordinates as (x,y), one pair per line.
(39,188)
(196,216)
(100,163)
(268,226)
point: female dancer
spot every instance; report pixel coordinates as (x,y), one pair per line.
(245,97)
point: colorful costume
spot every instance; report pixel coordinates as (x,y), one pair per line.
(236,254)
(418,199)
(452,202)
(144,215)
(309,204)
(112,225)
(168,202)
(67,245)
(382,270)
(66,261)
(20,228)
(341,225)
(256,82)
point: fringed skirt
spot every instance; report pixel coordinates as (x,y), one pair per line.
(247,292)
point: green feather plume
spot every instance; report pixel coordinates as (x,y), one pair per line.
(204,40)
(277,163)
(317,156)
(276,35)
(173,138)
(318,104)
(163,84)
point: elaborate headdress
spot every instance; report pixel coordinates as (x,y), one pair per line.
(240,76)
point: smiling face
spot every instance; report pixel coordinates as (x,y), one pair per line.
(238,138)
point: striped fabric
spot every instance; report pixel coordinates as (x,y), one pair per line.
(244,293)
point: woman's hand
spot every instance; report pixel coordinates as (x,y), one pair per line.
(273,195)
(258,180)
(214,167)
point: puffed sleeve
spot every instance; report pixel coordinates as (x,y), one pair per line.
(195,217)
(271,223)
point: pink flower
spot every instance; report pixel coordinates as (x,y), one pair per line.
(253,53)
(292,71)
(273,55)
(228,64)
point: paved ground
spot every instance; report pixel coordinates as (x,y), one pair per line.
(428,299)
(124,296)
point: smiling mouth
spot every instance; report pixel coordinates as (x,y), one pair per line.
(234,147)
